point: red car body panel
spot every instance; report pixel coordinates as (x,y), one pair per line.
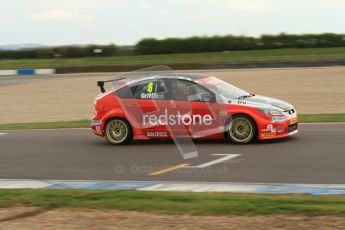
(108,105)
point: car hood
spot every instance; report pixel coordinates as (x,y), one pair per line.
(258,100)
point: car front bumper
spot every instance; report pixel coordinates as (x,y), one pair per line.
(278,128)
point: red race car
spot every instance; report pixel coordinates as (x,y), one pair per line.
(166,105)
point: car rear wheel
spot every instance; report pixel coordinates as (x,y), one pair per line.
(241,129)
(118,131)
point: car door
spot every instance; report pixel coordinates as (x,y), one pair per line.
(144,104)
(198,102)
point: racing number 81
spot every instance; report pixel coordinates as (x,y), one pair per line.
(150,87)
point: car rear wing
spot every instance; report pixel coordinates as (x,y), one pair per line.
(100,84)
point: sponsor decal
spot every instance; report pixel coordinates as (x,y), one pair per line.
(96,122)
(98,128)
(241,102)
(149,93)
(150,87)
(157,134)
(269,131)
(269,128)
(278,119)
(152,95)
(177,119)
(268,134)
(293,121)
(280,129)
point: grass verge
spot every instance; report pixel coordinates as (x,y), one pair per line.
(309,118)
(304,118)
(308,54)
(177,203)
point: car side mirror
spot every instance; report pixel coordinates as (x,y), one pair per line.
(208,98)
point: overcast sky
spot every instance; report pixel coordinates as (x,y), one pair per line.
(124,22)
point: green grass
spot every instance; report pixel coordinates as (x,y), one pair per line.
(178,203)
(308,118)
(304,118)
(337,53)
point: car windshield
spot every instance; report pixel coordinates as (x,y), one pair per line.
(223,88)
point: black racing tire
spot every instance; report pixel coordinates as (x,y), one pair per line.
(241,129)
(118,131)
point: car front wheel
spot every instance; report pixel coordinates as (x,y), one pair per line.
(118,131)
(241,129)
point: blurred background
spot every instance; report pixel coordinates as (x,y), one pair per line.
(88,35)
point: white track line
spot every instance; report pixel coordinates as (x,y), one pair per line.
(3,134)
(225,157)
(313,189)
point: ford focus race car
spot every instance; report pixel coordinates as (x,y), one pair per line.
(166,105)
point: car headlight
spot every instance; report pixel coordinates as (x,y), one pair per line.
(272,112)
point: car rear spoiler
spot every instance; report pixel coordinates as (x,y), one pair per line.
(100,84)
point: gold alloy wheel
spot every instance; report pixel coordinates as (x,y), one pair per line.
(116,131)
(241,130)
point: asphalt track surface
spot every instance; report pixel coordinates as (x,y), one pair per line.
(315,155)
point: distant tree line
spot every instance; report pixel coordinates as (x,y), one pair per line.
(234,43)
(185,45)
(63,51)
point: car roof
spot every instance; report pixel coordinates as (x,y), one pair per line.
(149,74)
(188,75)
(137,77)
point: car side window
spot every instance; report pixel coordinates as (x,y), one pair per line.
(155,89)
(124,92)
(184,90)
